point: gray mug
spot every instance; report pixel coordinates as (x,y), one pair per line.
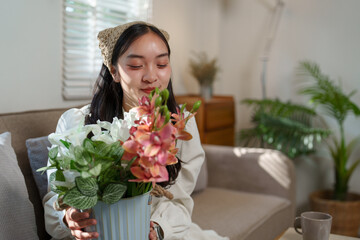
(314,225)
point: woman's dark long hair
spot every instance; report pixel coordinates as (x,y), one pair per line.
(108,94)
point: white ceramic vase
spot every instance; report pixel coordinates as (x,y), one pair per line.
(206,91)
(128,219)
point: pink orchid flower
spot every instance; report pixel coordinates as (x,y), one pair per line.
(146,107)
(153,140)
(156,173)
(180,122)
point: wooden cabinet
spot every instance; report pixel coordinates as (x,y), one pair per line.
(215,118)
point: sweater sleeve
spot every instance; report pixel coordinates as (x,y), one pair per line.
(174,216)
(54,223)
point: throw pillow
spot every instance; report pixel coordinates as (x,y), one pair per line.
(17,216)
(37,149)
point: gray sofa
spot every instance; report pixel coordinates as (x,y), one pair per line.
(242,193)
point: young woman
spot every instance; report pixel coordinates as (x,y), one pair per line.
(136,60)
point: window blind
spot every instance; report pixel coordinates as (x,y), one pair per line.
(83,19)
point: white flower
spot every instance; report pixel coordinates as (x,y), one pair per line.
(94,128)
(115,131)
(119,130)
(130,117)
(74,135)
(102,131)
(103,137)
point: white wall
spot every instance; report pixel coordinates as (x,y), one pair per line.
(31,58)
(193,26)
(325,31)
(30,69)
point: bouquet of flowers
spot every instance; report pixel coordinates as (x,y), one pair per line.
(109,161)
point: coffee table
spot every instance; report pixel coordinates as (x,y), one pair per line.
(290,234)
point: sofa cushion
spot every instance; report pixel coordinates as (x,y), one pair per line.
(240,215)
(37,149)
(17,217)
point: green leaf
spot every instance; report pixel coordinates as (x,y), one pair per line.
(44,169)
(76,166)
(103,149)
(53,152)
(325,93)
(116,149)
(52,178)
(87,186)
(107,176)
(105,164)
(85,174)
(95,171)
(352,168)
(87,156)
(113,193)
(88,145)
(118,153)
(77,200)
(127,169)
(283,126)
(350,147)
(60,176)
(66,144)
(73,165)
(79,156)
(138,188)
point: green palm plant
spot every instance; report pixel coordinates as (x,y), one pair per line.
(323,92)
(284,126)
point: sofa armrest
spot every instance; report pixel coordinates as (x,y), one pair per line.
(252,170)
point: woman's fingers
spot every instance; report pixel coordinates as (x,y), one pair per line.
(152,233)
(76,221)
(75,215)
(81,224)
(80,235)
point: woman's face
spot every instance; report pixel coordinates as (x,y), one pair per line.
(144,66)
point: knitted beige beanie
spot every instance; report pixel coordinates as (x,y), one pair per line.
(108,38)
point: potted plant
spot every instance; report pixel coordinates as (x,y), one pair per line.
(204,70)
(344,206)
(110,168)
(284,126)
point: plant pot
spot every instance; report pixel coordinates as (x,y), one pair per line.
(346,214)
(128,219)
(206,92)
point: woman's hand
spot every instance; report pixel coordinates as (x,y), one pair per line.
(152,234)
(76,221)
